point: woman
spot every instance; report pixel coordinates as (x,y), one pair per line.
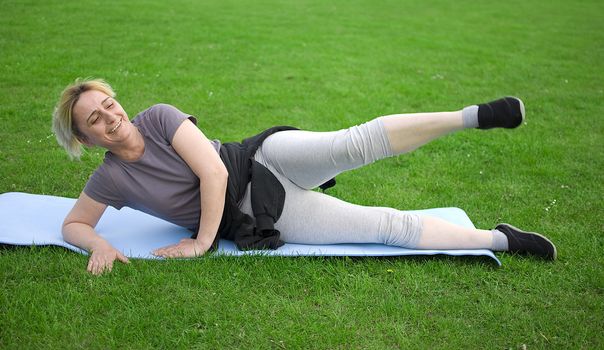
(162,164)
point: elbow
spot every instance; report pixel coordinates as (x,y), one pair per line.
(216,174)
(65,229)
(223,176)
(66,222)
(220,173)
(68,227)
(224,173)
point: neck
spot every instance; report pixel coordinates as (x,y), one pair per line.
(132,149)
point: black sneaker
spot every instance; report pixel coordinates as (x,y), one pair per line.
(507,112)
(527,242)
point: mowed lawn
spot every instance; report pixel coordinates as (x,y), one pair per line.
(242,66)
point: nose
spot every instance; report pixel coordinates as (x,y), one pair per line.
(109,117)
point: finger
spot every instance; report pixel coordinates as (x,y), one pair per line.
(180,252)
(94,269)
(174,250)
(170,246)
(168,253)
(171,249)
(91,262)
(175,253)
(94,263)
(98,267)
(163,250)
(93,266)
(159,251)
(123,258)
(104,266)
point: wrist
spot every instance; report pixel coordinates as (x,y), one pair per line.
(203,242)
(98,244)
(204,239)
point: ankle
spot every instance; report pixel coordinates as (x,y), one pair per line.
(500,241)
(470,117)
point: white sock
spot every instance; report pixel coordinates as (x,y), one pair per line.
(500,241)
(470,116)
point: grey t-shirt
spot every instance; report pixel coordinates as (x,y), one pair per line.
(160,183)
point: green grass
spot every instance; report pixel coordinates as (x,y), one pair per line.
(242,66)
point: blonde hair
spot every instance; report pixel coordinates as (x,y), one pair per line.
(63,126)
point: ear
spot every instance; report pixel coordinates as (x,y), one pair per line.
(84,140)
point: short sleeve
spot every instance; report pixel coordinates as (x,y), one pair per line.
(167,119)
(101,188)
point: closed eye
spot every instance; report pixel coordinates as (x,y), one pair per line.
(93,117)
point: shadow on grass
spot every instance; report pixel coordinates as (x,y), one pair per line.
(415,259)
(4,246)
(423,259)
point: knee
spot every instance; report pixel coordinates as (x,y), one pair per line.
(360,145)
(401,229)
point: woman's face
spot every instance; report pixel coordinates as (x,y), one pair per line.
(101,120)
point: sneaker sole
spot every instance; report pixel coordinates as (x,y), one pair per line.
(522,113)
(536,234)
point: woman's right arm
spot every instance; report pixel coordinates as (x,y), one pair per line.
(78,229)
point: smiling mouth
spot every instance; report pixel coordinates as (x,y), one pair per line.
(115,127)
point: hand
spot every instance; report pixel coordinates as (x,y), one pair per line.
(186,248)
(102,258)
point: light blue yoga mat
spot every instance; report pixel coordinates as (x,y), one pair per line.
(30,219)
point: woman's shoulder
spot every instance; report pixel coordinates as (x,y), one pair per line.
(155,111)
(161,112)
(162,108)
(161,121)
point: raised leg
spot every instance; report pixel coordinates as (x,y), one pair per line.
(310,158)
(407,132)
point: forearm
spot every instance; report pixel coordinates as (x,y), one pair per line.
(213,190)
(201,156)
(83,236)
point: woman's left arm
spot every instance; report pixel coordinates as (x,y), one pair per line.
(197,151)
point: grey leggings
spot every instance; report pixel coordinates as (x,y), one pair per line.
(303,160)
